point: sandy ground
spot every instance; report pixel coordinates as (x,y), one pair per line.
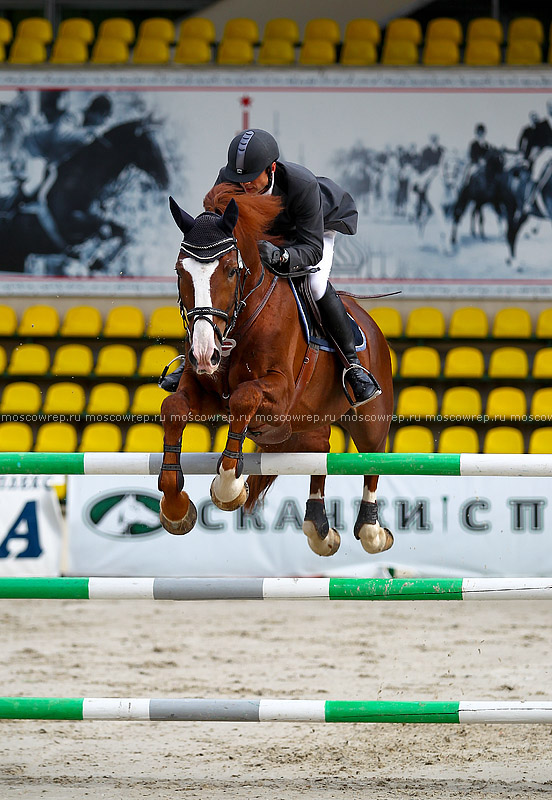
(302,649)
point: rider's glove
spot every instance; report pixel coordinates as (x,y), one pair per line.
(272,256)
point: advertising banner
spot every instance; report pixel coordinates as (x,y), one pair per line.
(442,527)
(450,170)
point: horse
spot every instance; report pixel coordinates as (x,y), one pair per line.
(247,359)
(437,189)
(520,186)
(79,182)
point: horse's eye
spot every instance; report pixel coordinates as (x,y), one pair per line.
(232,272)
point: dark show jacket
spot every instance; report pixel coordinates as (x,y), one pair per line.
(311,206)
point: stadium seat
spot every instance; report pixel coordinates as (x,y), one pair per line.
(144,437)
(355,53)
(317,53)
(81,321)
(124,322)
(503,440)
(221,437)
(283,29)
(77,28)
(165,322)
(363,30)
(21,397)
(508,362)
(39,320)
(8,319)
(198,28)
(117,28)
(155,358)
(542,363)
(512,323)
(526,28)
(27,51)
(56,437)
(151,51)
(196,438)
(461,401)
(458,439)
(37,28)
(15,437)
(191,51)
(404,29)
(72,359)
(276,52)
(64,398)
(540,441)
(147,399)
(242,28)
(110,51)
(3,360)
(482,53)
(425,322)
(417,401)
(413,439)
(157,28)
(440,53)
(322,29)
(485,29)
(543,328)
(464,362)
(541,405)
(108,398)
(444,28)
(6,31)
(337,439)
(398,53)
(2,52)
(420,362)
(235,52)
(388,320)
(523,53)
(117,360)
(29,359)
(69,51)
(394,361)
(101,437)
(506,402)
(468,323)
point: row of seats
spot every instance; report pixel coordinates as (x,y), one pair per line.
(464,439)
(504,402)
(469,362)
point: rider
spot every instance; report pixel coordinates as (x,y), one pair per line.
(477,153)
(537,150)
(314,210)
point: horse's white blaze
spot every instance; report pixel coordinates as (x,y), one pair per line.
(226,486)
(203,339)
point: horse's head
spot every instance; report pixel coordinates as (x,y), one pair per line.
(137,140)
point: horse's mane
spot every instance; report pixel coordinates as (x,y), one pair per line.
(256,212)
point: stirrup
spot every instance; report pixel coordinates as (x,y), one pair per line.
(356,403)
(164,373)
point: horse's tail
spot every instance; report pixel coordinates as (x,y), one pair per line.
(258,487)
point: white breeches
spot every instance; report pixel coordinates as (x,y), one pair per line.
(319,280)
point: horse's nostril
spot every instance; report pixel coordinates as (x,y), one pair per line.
(215,358)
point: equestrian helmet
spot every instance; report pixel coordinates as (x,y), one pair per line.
(250,152)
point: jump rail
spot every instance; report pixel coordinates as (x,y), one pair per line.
(260,710)
(277,588)
(283,464)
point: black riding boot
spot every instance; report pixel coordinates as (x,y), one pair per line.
(170,382)
(338,326)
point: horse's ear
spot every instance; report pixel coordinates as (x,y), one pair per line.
(184,221)
(229,218)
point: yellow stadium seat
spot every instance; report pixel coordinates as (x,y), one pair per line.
(506,402)
(482,53)
(355,53)
(542,363)
(235,52)
(165,322)
(468,323)
(6,31)
(283,29)
(241,28)
(363,30)
(27,51)
(508,362)
(82,321)
(276,52)
(108,398)
(77,28)
(398,53)
(8,319)
(512,323)
(458,439)
(322,30)
(155,358)
(21,397)
(540,441)
(116,359)
(440,53)
(29,359)
(317,53)
(117,28)
(72,359)
(101,437)
(404,29)
(503,440)
(196,438)
(147,399)
(2,52)
(15,437)
(192,51)
(110,51)
(37,28)
(69,51)
(388,320)
(64,398)
(157,28)
(151,51)
(221,437)
(444,28)
(56,437)
(528,28)
(543,329)
(413,439)
(464,362)
(3,360)
(486,29)
(417,401)
(337,439)
(124,322)
(425,322)
(39,321)
(198,28)
(541,404)
(420,362)
(394,361)
(461,401)
(144,437)
(523,52)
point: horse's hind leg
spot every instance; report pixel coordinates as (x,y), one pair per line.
(323,540)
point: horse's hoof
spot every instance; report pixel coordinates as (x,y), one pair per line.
(230,505)
(375,541)
(322,547)
(178,527)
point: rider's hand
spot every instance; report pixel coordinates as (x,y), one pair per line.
(272,256)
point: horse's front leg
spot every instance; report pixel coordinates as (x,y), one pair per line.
(373,537)
(323,540)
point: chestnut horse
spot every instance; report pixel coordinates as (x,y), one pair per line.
(247,359)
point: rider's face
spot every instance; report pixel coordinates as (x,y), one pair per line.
(259,184)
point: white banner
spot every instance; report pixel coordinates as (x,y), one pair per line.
(442,527)
(30,527)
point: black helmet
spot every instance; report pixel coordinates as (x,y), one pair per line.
(250,152)
(101,104)
(480,128)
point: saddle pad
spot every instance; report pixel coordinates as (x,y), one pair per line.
(323,344)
